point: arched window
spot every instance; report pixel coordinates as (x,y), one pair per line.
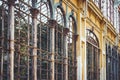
(71,49)
(59,46)
(93,54)
(43,35)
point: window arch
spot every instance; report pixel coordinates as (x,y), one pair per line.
(92,38)
(44,7)
(60,16)
(93,54)
(43,35)
(71,49)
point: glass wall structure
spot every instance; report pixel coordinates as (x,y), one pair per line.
(32,43)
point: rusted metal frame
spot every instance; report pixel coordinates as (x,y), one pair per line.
(2,42)
(11,38)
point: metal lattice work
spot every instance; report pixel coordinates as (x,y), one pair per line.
(23,40)
(93,55)
(32,45)
(111,63)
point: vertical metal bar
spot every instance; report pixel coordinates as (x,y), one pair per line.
(34,13)
(92,66)
(28,54)
(18,65)
(2,43)
(52,24)
(11,37)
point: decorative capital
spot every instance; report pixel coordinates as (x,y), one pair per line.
(34,12)
(52,23)
(65,31)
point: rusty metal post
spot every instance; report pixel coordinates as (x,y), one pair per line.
(66,30)
(11,37)
(52,24)
(34,12)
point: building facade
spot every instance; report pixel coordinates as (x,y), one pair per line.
(59,39)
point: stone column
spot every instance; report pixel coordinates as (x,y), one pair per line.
(52,24)
(34,12)
(66,30)
(11,38)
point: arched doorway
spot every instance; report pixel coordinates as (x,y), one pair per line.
(92,56)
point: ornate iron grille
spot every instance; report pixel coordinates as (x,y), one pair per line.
(93,54)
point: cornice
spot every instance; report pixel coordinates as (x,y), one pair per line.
(95,9)
(70,4)
(110,26)
(109,40)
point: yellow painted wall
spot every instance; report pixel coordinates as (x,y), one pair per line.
(91,20)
